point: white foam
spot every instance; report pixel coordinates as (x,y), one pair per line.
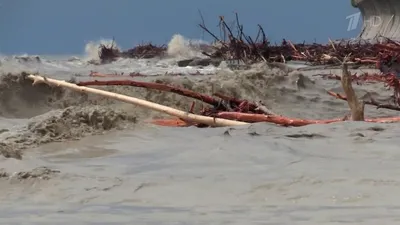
(180,47)
(92,48)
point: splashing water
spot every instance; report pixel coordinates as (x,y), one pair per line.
(180,47)
(92,48)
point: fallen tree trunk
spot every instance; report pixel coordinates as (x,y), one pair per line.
(214,122)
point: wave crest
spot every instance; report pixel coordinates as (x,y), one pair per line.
(92,48)
(180,47)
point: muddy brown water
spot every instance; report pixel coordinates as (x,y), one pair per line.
(72,158)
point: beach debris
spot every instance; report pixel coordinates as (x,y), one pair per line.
(224,103)
(356,106)
(229,111)
(199,62)
(226,107)
(110,53)
(223,110)
(234,45)
(186,116)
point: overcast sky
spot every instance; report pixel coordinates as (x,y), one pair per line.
(64,27)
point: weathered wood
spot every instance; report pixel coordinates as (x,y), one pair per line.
(356,106)
(214,122)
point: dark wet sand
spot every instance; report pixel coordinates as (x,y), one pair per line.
(259,174)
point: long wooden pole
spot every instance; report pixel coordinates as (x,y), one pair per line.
(215,122)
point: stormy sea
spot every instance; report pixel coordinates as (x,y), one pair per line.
(78,158)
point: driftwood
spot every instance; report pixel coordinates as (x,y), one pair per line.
(221,115)
(242,47)
(280,120)
(285,121)
(109,53)
(156,86)
(235,44)
(356,107)
(214,122)
(225,103)
(251,112)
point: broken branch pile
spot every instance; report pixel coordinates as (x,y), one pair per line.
(235,44)
(145,51)
(238,45)
(110,53)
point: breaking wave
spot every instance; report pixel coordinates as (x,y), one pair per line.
(180,47)
(92,48)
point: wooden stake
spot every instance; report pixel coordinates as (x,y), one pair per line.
(215,122)
(356,106)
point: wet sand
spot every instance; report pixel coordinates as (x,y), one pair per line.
(333,174)
(115,168)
